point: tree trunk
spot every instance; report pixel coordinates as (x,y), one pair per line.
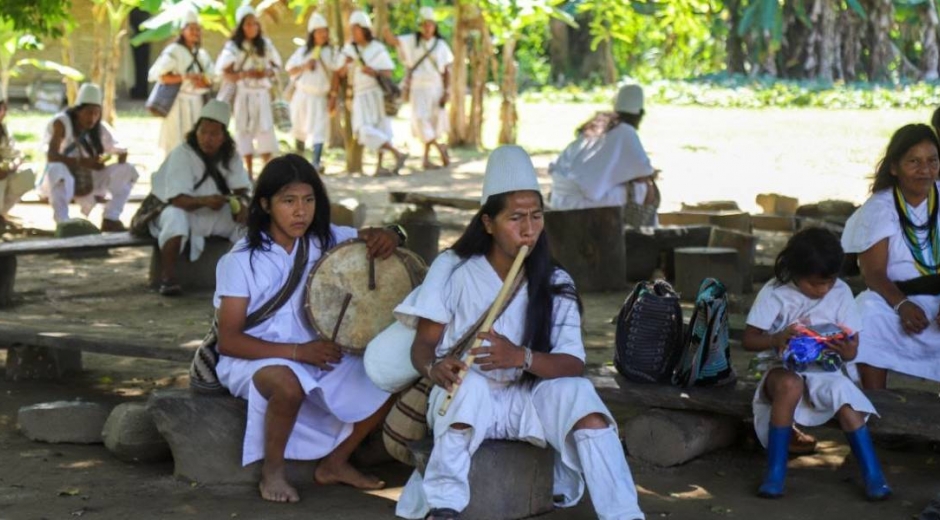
(508,87)
(100,16)
(458,80)
(108,110)
(338,137)
(353,147)
(931,55)
(71,86)
(851,45)
(480,62)
(827,43)
(734,44)
(558,50)
(880,16)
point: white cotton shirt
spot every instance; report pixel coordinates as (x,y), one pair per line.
(176,58)
(108,141)
(885,344)
(431,68)
(373,55)
(183,169)
(316,81)
(593,172)
(457,293)
(232,55)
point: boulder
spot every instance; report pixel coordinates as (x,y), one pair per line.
(25,362)
(131,435)
(348,212)
(776,204)
(670,437)
(63,421)
(195,276)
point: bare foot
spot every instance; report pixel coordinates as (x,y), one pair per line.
(276,489)
(343,473)
(428,165)
(445,157)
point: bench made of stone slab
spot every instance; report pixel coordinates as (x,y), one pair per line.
(206,433)
(75,422)
(508,479)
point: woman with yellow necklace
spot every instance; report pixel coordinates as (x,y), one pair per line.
(895,234)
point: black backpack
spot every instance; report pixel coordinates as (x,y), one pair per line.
(649,333)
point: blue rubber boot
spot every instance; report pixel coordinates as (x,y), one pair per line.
(876,488)
(778,440)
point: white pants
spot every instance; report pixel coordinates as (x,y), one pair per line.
(310,117)
(180,120)
(194,227)
(254,122)
(13,188)
(371,127)
(543,414)
(428,120)
(59,185)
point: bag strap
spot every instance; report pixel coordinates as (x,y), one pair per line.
(424,57)
(287,290)
(461,346)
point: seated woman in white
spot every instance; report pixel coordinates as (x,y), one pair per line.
(306,400)
(78,143)
(526,383)
(15,180)
(198,181)
(606,165)
(896,234)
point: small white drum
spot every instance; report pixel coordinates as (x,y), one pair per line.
(350,298)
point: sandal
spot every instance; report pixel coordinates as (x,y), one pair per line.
(400,162)
(170,288)
(443,513)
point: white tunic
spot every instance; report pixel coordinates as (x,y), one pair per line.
(336,399)
(371,127)
(457,294)
(593,172)
(176,58)
(178,175)
(310,118)
(428,120)
(17,183)
(779,306)
(252,108)
(885,344)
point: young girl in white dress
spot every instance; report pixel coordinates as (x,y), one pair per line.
(806,291)
(306,400)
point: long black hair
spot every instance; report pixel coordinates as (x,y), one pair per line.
(239,37)
(811,252)
(277,174)
(907,137)
(540,269)
(91,143)
(222,157)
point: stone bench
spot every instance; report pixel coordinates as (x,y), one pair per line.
(508,479)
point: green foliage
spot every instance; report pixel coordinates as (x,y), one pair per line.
(38,17)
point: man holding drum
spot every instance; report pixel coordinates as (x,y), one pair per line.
(79,144)
(525,383)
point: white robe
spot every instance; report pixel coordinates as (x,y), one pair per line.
(429,121)
(178,175)
(885,344)
(594,172)
(252,113)
(58,184)
(336,399)
(779,306)
(177,59)
(310,117)
(17,183)
(371,127)
(493,403)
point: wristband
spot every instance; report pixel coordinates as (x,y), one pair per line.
(897,308)
(398,230)
(527,361)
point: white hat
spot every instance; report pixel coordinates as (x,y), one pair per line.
(509,168)
(217,111)
(243,11)
(89,94)
(316,21)
(361,19)
(427,14)
(189,16)
(629,99)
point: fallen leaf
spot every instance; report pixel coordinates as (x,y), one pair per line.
(69,492)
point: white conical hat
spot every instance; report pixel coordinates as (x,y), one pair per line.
(88,94)
(509,168)
(427,13)
(629,99)
(361,19)
(316,21)
(244,11)
(189,16)
(216,110)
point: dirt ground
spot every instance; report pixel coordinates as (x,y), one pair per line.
(109,296)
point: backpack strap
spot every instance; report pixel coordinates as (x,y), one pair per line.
(461,346)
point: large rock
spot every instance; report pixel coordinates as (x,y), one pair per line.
(668,437)
(131,435)
(24,362)
(694,264)
(776,204)
(746,246)
(348,212)
(672,237)
(508,479)
(589,243)
(63,421)
(424,231)
(198,275)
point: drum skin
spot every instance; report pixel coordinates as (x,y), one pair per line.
(345,270)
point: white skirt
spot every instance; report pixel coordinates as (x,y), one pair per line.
(335,401)
(885,344)
(252,111)
(310,118)
(371,127)
(823,394)
(180,120)
(428,120)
